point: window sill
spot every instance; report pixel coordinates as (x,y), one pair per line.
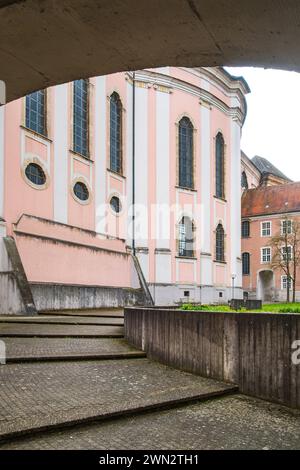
(37,134)
(77,154)
(220,199)
(116,173)
(192,190)
(220,262)
(186,257)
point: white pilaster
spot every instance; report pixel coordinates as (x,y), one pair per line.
(61,122)
(205,188)
(162,170)
(100,154)
(141,166)
(129,161)
(235,198)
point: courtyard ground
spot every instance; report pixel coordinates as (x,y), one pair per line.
(78,371)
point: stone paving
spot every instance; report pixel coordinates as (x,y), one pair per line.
(20,349)
(39,395)
(56,331)
(62,320)
(107,400)
(232,422)
(109,312)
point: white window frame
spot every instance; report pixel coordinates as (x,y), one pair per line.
(291,248)
(291,226)
(262,229)
(262,254)
(284,282)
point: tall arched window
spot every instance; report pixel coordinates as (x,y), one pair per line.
(36,112)
(244,181)
(186,237)
(115,133)
(220,166)
(186,151)
(246,263)
(220,243)
(81,117)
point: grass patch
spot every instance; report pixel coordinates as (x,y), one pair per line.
(267,308)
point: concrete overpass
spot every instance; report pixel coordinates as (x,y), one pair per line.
(46,42)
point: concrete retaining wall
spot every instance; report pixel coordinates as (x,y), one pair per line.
(11,302)
(57,297)
(251,350)
(13,299)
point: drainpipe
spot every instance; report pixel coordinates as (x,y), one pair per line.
(133,164)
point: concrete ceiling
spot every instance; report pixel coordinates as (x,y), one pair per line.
(45,42)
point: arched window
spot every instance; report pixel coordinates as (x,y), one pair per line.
(115,133)
(81,117)
(244,181)
(220,242)
(245,229)
(115,204)
(186,150)
(186,237)
(220,166)
(36,112)
(246,263)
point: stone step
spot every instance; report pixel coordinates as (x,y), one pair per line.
(107,312)
(57,331)
(63,393)
(233,422)
(76,357)
(62,320)
(60,349)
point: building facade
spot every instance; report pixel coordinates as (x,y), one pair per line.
(270,210)
(95,171)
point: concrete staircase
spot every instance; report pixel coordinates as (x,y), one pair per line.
(70,368)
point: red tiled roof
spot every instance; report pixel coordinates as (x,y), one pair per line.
(266,200)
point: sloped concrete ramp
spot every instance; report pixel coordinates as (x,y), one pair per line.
(64,374)
(42,396)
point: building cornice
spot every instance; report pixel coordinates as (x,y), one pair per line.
(272,215)
(167,83)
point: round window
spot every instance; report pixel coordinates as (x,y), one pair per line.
(81,191)
(35,174)
(115,204)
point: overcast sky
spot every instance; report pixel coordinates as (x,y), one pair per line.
(272,127)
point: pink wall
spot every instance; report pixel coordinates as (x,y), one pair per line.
(50,260)
(220,209)
(253,245)
(19,197)
(183,104)
(57,262)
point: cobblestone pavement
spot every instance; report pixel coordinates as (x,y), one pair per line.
(232,422)
(57,319)
(52,347)
(44,394)
(20,329)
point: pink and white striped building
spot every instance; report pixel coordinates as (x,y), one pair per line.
(67,160)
